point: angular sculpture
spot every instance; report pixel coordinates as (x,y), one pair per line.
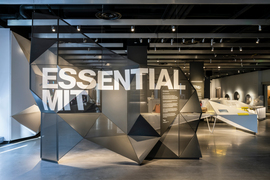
(112,100)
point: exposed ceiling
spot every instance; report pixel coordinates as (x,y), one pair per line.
(213,31)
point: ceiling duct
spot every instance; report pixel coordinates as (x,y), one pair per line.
(108,15)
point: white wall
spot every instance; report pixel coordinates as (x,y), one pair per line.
(248,83)
(15,95)
(5,79)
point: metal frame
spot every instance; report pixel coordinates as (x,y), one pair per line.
(91,2)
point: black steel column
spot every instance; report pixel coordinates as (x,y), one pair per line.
(137,51)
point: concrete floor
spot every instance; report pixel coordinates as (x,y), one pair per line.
(227,154)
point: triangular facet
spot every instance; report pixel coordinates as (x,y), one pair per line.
(192,119)
(67,137)
(39,46)
(170,138)
(161,151)
(192,105)
(103,127)
(186,134)
(153,120)
(119,144)
(193,149)
(142,128)
(143,147)
(25,45)
(31,119)
(81,122)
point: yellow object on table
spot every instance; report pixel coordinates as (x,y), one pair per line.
(243,114)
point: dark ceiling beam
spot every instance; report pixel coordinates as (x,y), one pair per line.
(199,45)
(154,35)
(208,52)
(203,57)
(114,2)
(144,22)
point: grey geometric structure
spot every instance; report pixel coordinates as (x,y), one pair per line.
(115,119)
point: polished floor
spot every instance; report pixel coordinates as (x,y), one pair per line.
(228,153)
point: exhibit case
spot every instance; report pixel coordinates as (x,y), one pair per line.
(85,91)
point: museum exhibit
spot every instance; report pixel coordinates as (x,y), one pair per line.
(135,89)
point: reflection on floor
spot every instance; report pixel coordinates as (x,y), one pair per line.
(227,154)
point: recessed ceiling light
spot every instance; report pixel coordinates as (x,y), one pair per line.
(240,49)
(258,40)
(78,28)
(173,28)
(132,29)
(53,29)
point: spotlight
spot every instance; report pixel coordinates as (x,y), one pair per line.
(162,40)
(171,41)
(218,67)
(84,40)
(149,40)
(212,49)
(240,49)
(260,28)
(140,40)
(221,40)
(210,60)
(157,60)
(241,64)
(203,40)
(96,40)
(258,40)
(155,49)
(238,71)
(234,60)
(215,55)
(53,29)
(174,61)
(203,67)
(173,28)
(78,28)
(231,49)
(179,49)
(192,40)
(212,42)
(132,29)
(183,40)
(241,60)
